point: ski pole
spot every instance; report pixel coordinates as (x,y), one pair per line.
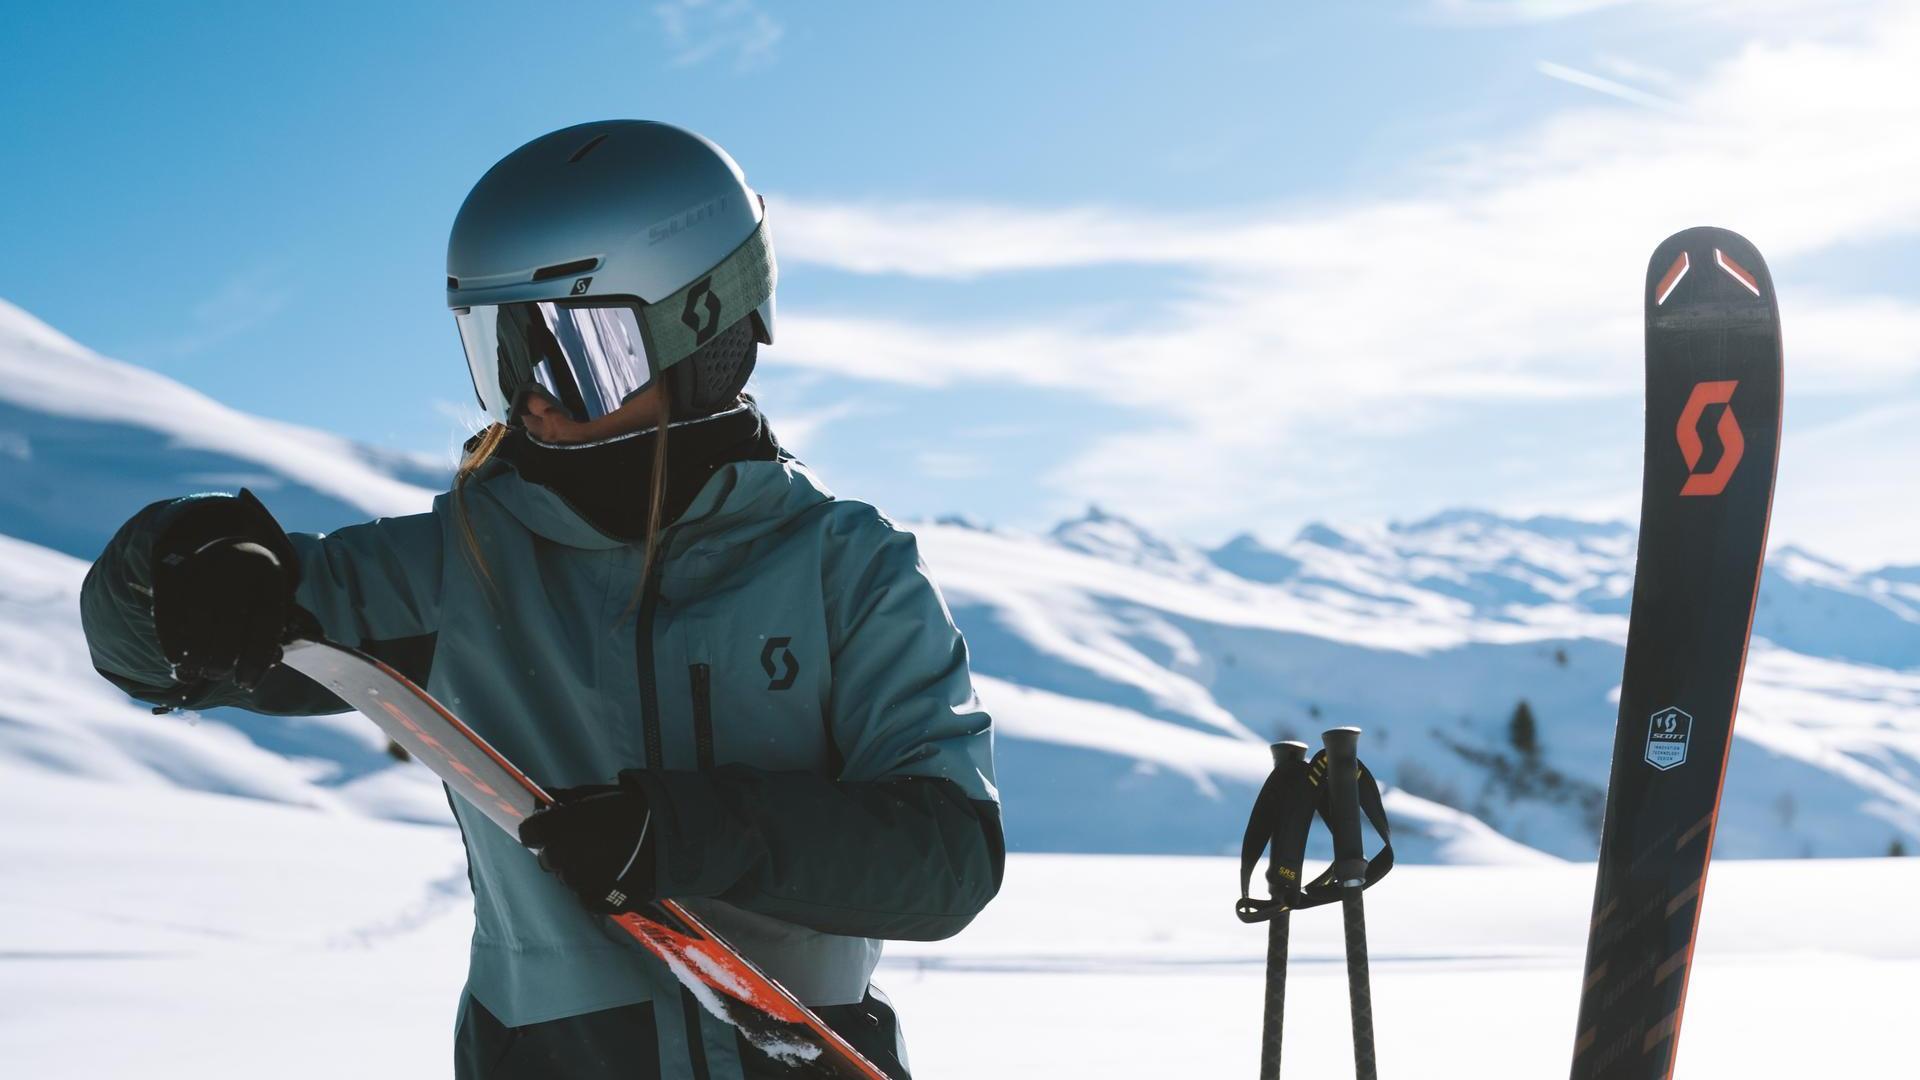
(1349,874)
(1288,851)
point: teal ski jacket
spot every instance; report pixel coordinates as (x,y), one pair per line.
(791,682)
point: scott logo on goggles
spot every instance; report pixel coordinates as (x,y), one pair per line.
(698,292)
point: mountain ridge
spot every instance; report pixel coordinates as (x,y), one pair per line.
(1135,677)
(74,422)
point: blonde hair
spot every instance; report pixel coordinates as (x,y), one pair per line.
(487,443)
(480,452)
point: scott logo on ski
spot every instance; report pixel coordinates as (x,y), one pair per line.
(1732,443)
(1667,735)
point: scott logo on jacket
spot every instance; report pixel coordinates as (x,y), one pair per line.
(779,677)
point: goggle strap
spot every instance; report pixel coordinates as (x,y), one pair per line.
(677,325)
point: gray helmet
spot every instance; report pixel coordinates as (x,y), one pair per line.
(600,257)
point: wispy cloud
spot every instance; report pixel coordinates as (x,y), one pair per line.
(1511,276)
(237,305)
(1843,486)
(1523,10)
(1634,71)
(798,427)
(700,30)
(958,242)
(1811,15)
(1599,85)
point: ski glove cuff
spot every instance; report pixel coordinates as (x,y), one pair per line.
(595,839)
(224,576)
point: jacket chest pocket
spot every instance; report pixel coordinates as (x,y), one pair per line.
(700,690)
(755,702)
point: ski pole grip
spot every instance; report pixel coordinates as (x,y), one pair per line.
(1343,806)
(1291,820)
(1288,753)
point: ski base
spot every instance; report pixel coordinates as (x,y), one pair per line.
(726,983)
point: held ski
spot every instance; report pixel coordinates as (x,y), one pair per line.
(1712,443)
(728,984)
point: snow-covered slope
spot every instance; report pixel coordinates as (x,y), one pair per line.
(1135,677)
(1428,635)
(199,937)
(85,440)
(59,718)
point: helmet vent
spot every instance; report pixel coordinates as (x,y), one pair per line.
(548,273)
(453,282)
(587,147)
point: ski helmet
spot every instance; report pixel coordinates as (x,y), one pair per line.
(601,257)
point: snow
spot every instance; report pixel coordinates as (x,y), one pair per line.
(148,931)
(168,933)
(1429,832)
(1134,967)
(230,895)
(47,371)
(85,441)
(1125,669)
(58,717)
(694,968)
(1130,672)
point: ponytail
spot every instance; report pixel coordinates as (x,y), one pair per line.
(480,451)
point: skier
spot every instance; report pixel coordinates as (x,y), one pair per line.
(750,693)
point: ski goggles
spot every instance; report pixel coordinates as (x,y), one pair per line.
(590,354)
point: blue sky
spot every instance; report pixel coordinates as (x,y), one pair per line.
(1218,267)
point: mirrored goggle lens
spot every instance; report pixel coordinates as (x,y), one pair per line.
(587,359)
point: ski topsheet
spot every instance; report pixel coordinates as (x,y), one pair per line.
(726,983)
(1713,433)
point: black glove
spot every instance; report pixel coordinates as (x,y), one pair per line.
(595,839)
(223,585)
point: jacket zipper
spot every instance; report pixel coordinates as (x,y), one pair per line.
(701,676)
(650,722)
(643,654)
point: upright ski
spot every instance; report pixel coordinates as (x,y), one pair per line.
(1713,433)
(727,983)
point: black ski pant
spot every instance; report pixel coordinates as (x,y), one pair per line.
(621,1043)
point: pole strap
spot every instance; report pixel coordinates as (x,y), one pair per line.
(1288,800)
(1281,813)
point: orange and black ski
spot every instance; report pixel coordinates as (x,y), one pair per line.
(1713,435)
(728,984)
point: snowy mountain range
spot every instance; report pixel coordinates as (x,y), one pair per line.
(1135,679)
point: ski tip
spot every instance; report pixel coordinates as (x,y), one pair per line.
(1706,261)
(1707,235)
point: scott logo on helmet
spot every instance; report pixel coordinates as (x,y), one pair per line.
(1732,443)
(686,219)
(781,678)
(699,291)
